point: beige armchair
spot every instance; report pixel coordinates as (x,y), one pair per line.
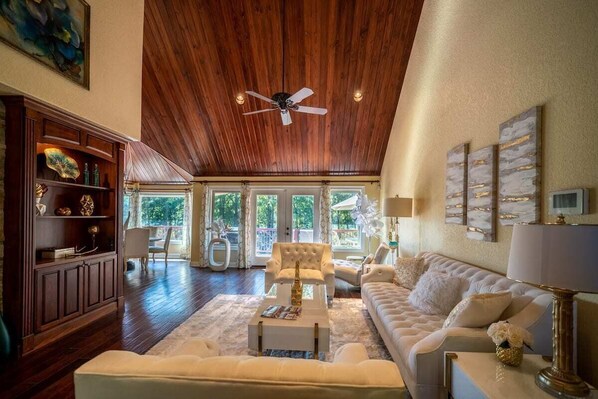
(315,262)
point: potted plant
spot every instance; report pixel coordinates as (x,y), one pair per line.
(509,340)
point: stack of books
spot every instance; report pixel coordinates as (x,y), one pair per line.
(282,312)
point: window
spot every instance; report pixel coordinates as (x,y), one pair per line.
(126,206)
(346,235)
(226,205)
(161,211)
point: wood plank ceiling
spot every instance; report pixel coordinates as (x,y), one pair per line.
(198,55)
(146,166)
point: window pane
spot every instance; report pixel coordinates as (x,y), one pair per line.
(345,233)
(303,218)
(161,212)
(126,206)
(266,223)
(227,206)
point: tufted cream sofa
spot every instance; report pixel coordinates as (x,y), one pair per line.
(417,341)
(191,374)
(315,263)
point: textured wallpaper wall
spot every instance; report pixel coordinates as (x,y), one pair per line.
(477,64)
(114,97)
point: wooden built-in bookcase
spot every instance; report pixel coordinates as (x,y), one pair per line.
(46,299)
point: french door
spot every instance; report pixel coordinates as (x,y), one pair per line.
(283,215)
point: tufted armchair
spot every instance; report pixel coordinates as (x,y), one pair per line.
(315,263)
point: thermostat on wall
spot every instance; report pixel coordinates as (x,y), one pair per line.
(569,202)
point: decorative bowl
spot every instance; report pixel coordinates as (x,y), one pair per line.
(65,166)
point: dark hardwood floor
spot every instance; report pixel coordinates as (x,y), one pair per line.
(155,303)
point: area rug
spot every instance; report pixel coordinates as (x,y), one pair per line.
(224,319)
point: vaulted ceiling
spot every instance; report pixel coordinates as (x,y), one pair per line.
(198,55)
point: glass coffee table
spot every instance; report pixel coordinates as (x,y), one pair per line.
(310,332)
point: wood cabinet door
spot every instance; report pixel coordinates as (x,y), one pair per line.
(93,284)
(109,279)
(58,296)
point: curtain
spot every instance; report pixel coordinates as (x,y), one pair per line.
(204,219)
(186,247)
(135,208)
(244,254)
(325,216)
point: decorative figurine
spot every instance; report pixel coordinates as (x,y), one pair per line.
(297,288)
(87,205)
(86,174)
(96,175)
(93,230)
(40,190)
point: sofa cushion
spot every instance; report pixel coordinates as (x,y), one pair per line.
(483,281)
(309,255)
(436,293)
(405,324)
(408,271)
(478,310)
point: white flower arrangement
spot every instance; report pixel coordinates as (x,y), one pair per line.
(508,335)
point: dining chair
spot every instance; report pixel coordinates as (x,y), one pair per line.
(137,246)
(155,249)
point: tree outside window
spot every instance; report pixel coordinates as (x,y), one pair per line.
(345,233)
(159,212)
(227,206)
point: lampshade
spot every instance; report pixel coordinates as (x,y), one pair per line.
(556,256)
(398,207)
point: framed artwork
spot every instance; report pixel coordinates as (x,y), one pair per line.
(519,168)
(455,185)
(52,32)
(481,194)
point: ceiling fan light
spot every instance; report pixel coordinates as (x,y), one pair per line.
(240,99)
(357,96)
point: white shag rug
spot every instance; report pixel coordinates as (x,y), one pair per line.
(224,319)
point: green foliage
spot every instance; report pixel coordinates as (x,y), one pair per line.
(162,211)
(303,211)
(227,206)
(342,219)
(267,211)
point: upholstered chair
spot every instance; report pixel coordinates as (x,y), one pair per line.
(137,246)
(155,249)
(315,262)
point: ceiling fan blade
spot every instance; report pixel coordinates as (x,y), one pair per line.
(257,95)
(300,95)
(257,112)
(286,118)
(311,110)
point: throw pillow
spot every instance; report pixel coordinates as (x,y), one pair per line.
(408,271)
(436,293)
(478,310)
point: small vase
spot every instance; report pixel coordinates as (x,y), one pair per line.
(510,356)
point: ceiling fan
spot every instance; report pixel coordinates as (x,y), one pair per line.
(283,101)
(286,102)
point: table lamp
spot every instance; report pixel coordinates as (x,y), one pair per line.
(396,208)
(562,258)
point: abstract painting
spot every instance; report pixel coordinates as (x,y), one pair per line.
(481,194)
(455,185)
(53,32)
(519,168)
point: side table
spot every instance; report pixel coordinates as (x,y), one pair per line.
(469,375)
